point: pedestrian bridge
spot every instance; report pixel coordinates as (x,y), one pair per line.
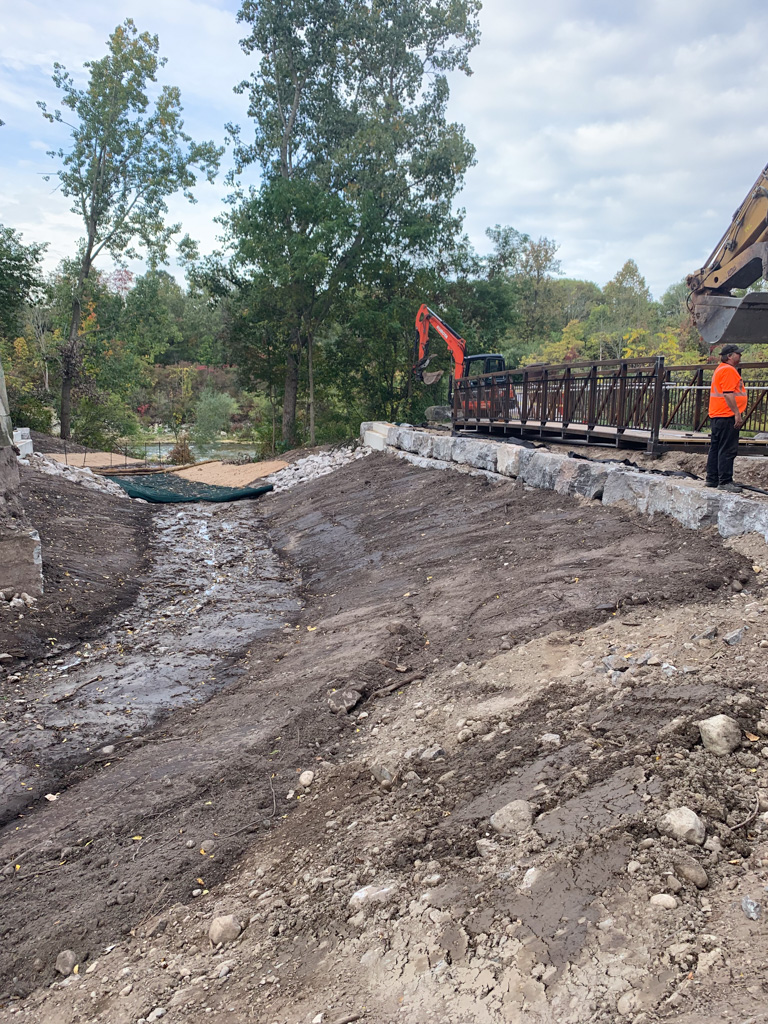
(626,403)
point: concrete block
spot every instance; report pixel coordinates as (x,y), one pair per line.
(405,439)
(375,440)
(691,506)
(584,478)
(470,452)
(21,561)
(23,441)
(543,469)
(422,444)
(392,435)
(737,515)
(442,447)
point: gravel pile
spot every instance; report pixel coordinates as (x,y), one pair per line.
(314,466)
(83,477)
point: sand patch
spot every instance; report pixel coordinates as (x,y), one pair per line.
(95,460)
(224,475)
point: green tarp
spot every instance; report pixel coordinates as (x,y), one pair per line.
(170,487)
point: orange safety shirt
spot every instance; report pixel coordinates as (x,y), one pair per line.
(726,378)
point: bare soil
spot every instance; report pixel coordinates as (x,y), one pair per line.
(471,618)
(94,558)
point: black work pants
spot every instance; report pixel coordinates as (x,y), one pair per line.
(724,443)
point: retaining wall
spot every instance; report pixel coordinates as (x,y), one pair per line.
(688,501)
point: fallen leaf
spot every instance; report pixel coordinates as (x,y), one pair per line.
(136,838)
(51,796)
(751,736)
(311,629)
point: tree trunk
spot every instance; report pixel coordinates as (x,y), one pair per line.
(310,372)
(66,406)
(274,417)
(291,387)
(71,355)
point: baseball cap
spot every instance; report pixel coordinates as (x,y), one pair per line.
(728,350)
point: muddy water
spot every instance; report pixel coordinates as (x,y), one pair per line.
(214,587)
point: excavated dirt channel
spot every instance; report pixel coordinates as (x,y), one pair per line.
(393,565)
(213,587)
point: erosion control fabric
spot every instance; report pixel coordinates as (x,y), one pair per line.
(164,488)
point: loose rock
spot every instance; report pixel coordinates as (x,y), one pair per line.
(690,870)
(513,818)
(374,894)
(720,734)
(306,779)
(224,929)
(343,701)
(66,962)
(684,824)
(734,637)
(663,900)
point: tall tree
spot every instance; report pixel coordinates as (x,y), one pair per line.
(18,276)
(125,159)
(359,163)
(628,305)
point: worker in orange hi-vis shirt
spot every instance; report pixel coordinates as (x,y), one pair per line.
(727,404)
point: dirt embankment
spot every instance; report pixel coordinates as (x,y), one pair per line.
(381,888)
(94,559)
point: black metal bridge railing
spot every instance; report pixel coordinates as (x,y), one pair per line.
(627,402)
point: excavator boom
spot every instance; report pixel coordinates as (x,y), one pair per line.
(738,260)
(426,318)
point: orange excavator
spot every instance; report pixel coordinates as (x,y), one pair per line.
(463,364)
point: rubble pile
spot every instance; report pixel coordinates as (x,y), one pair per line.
(83,476)
(314,466)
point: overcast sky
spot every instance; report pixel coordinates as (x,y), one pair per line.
(621,130)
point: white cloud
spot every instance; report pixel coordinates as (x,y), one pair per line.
(620,130)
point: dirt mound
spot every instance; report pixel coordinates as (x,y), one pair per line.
(492,645)
(94,548)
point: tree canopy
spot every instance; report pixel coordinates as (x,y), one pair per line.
(359,162)
(125,159)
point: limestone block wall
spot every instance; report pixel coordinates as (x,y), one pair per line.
(688,502)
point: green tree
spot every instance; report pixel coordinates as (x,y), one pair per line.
(124,161)
(359,163)
(213,413)
(19,275)
(627,300)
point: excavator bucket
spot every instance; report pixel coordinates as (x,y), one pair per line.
(432,376)
(724,319)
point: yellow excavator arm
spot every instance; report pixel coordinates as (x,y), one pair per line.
(738,260)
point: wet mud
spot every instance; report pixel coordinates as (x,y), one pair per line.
(213,587)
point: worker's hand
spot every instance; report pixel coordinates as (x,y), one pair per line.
(738,420)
